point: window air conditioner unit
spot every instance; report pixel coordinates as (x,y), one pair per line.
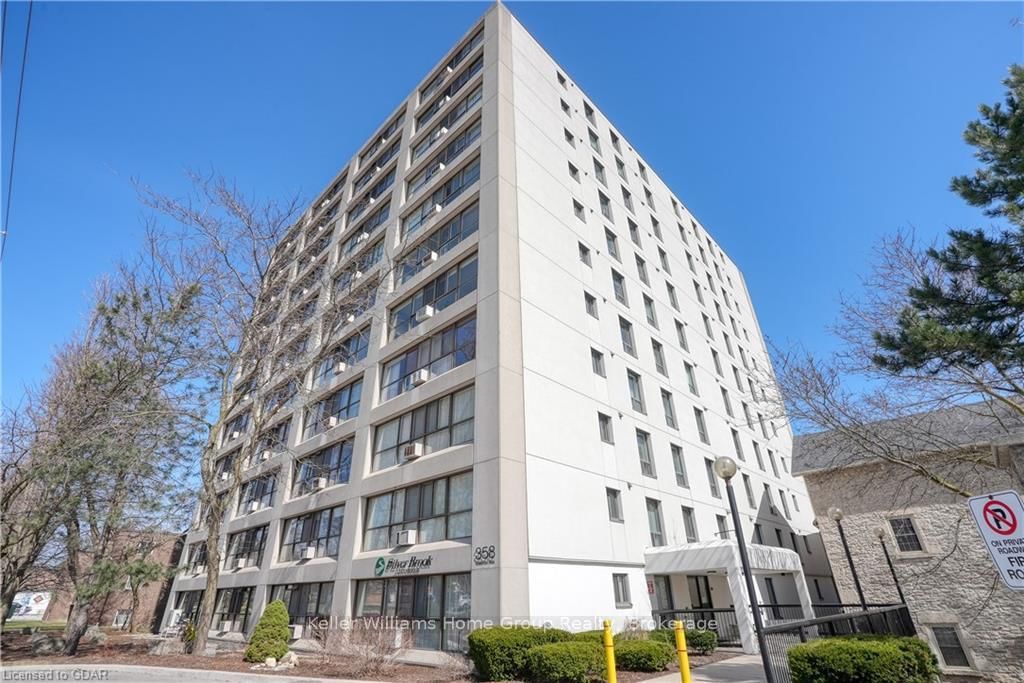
(320,228)
(241,563)
(372,200)
(309,552)
(253,506)
(407,537)
(235,434)
(447,98)
(444,130)
(413,451)
(438,208)
(305,291)
(357,275)
(420,377)
(296,631)
(331,421)
(430,257)
(363,236)
(319,483)
(200,569)
(448,69)
(425,313)
(340,367)
(175,617)
(440,166)
(383,139)
(325,202)
(350,318)
(273,298)
(265,454)
(376,168)
(224,476)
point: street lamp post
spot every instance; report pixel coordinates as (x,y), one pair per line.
(837,516)
(880,532)
(725,467)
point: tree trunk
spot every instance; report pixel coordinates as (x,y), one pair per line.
(135,609)
(214,518)
(78,623)
(5,605)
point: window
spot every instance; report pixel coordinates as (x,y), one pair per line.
(691,378)
(727,403)
(434,356)
(690,525)
(305,602)
(698,292)
(673,300)
(723,526)
(702,428)
(565,107)
(663,259)
(612,243)
(643,446)
(951,650)
(627,198)
(349,352)
(707,326)
(584,254)
(434,426)
(599,173)
(445,157)
(437,510)
(626,333)
(574,172)
(679,466)
(619,287)
(561,78)
(436,295)
(807,547)
(329,412)
(641,271)
(620,584)
(579,211)
(796,505)
(445,94)
(447,122)
(196,557)
(588,111)
(606,205)
(597,362)
(614,505)
(257,494)
(332,464)
(903,530)
(615,141)
(595,142)
(748,489)
(604,426)
(778,538)
(246,546)
(188,602)
(441,197)
(759,539)
(709,469)
(569,137)
(438,606)
(636,391)
(785,503)
(771,459)
(655,225)
(768,497)
(320,530)
(620,168)
(737,445)
(590,303)
(231,612)
(659,357)
(670,409)
(654,522)
(439,242)
(652,315)
(643,171)
(235,427)
(681,334)
(634,232)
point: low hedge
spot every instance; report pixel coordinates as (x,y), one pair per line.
(702,642)
(566,662)
(499,652)
(643,655)
(858,659)
(590,636)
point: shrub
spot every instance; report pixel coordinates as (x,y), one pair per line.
(499,652)
(702,642)
(567,662)
(590,636)
(270,637)
(643,655)
(879,659)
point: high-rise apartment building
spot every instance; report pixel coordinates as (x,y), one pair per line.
(520,421)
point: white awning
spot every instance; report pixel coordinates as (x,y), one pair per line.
(720,555)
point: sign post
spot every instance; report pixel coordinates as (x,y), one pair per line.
(1000,520)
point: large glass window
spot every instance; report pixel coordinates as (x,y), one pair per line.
(232,610)
(306,602)
(365,229)
(349,352)
(245,548)
(439,424)
(436,355)
(341,405)
(446,94)
(382,139)
(437,607)
(450,65)
(441,197)
(257,494)
(196,558)
(438,510)
(438,294)
(319,530)
(439,243)
(187,603)
(447,122)
(446,156)
(655,523)
(378,163)
(371,195)
(332,464)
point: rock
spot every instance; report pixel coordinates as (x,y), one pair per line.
(290,658)
(167,647)
(93,634)
(270,662)
(43,644)
(210,651)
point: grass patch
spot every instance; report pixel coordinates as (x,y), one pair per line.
(16,625)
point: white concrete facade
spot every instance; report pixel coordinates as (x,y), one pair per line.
(543,544)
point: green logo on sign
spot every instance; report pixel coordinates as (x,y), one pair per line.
(378,569)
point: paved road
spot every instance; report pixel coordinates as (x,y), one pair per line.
(741,669)
(145,674)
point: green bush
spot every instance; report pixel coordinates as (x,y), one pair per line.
(590,636)
(859,659)
(568,662)
(643,655)
(499,652)
(270,637)
(701,642)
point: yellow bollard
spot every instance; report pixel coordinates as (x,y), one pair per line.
(609,650)
(684,659)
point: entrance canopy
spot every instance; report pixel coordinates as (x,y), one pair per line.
(721,555)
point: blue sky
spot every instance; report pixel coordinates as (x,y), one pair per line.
(798,133)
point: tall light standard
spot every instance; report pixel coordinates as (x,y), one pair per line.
(880,532)
(725,467)
(837,516)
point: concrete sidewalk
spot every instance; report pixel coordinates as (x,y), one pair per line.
(741,669)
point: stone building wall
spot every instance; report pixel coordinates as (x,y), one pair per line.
(953,581)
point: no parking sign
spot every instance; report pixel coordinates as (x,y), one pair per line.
(1000,520)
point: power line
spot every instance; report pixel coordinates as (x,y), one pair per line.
(17,119)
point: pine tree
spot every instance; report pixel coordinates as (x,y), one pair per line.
(270,637)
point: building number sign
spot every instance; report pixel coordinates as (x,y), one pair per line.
(484,555)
